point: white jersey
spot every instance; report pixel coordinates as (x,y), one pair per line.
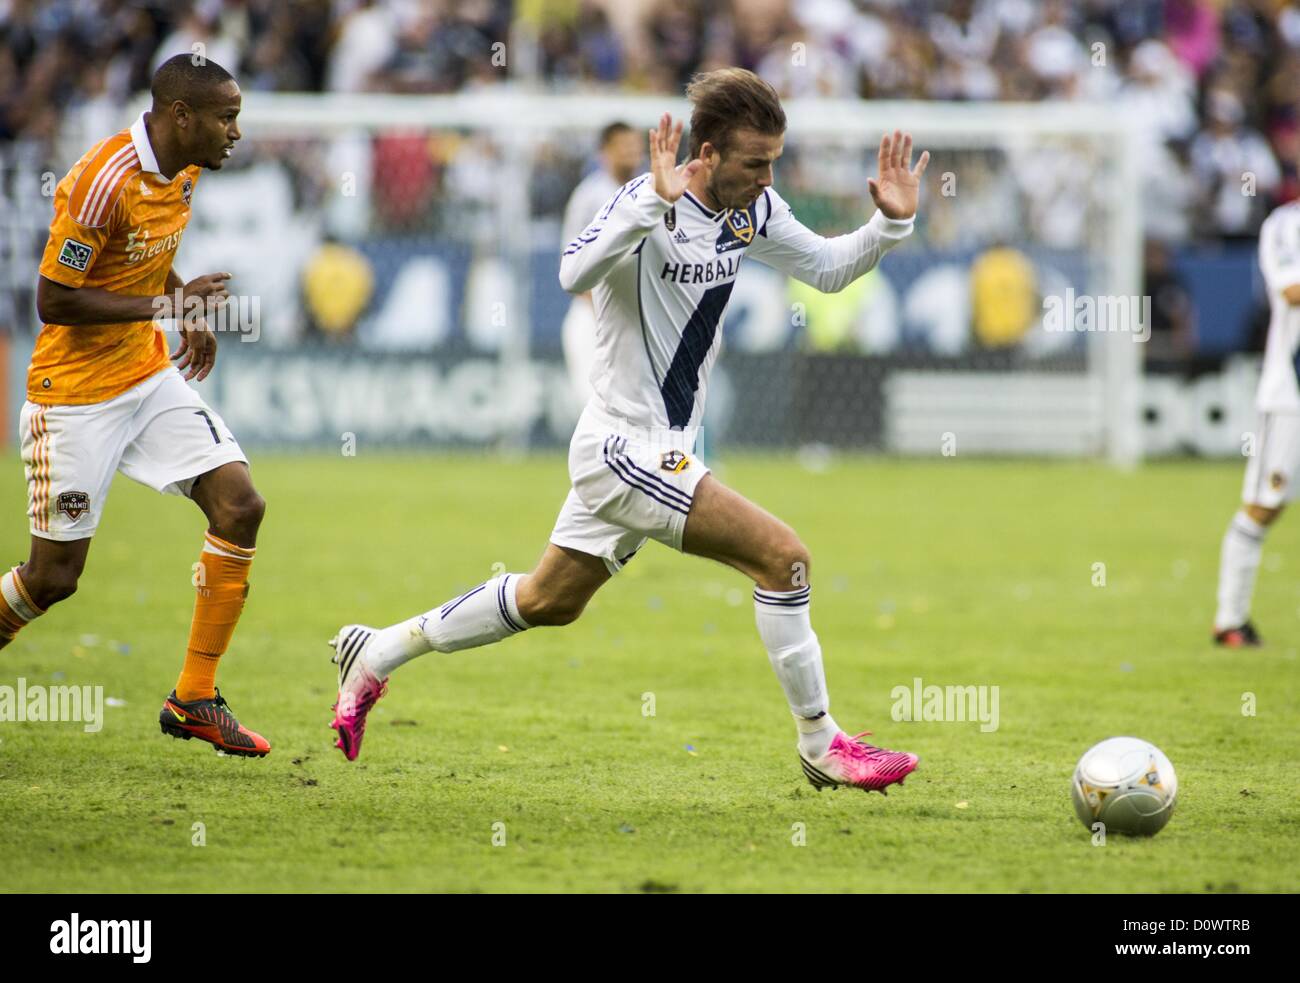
(586,200)
(661,276)
(1279,261)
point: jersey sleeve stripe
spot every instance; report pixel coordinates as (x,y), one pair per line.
(100,188)
(629,187)
(108,192)
(91,183)
(92,175)
(582,240)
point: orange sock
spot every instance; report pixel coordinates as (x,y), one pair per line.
(16,607)
(221,585)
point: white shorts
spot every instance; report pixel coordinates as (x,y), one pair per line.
(629,485)
(160,433)
(1271,471)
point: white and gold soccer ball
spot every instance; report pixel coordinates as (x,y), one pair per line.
(1126,784)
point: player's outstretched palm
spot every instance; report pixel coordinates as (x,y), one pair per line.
(670,180)
(897,188)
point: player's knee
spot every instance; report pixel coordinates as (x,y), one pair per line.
(1264,516)
(241,511)
(51,584)
(251,508)
(552,610)
(788,564)
(59,588)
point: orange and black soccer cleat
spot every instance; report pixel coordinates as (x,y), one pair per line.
(1242,637)
(211,721)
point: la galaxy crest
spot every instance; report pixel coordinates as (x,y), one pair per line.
(675,461)
(737,229)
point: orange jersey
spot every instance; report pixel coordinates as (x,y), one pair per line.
(117,224)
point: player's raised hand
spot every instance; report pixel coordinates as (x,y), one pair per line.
(670,180)
(896,189)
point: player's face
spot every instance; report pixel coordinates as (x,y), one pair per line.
(623,155)
(744,169)
(214,131)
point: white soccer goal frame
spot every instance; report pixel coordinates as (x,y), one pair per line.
(514,117)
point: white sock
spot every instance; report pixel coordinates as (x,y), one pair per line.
(486,614)
(785,626)
(1238,563)
(816,734)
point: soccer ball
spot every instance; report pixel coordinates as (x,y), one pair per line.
(1126,784)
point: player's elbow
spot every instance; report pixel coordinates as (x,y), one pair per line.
(832,283)
(836,278)
(1291,294)
(52,302)
(830,277)
(571,279)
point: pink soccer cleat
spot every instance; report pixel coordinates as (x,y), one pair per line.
(359,688)
(852,761)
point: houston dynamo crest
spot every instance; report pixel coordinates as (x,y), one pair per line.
(73,504)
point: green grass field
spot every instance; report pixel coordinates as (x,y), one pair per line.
(958,572)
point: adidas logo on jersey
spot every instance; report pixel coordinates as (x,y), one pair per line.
(681,236)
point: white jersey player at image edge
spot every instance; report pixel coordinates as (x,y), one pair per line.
(1273,451)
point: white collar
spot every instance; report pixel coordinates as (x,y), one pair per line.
(143,148)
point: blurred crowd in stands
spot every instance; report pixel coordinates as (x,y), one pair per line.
(1217,81)
(1213,85)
